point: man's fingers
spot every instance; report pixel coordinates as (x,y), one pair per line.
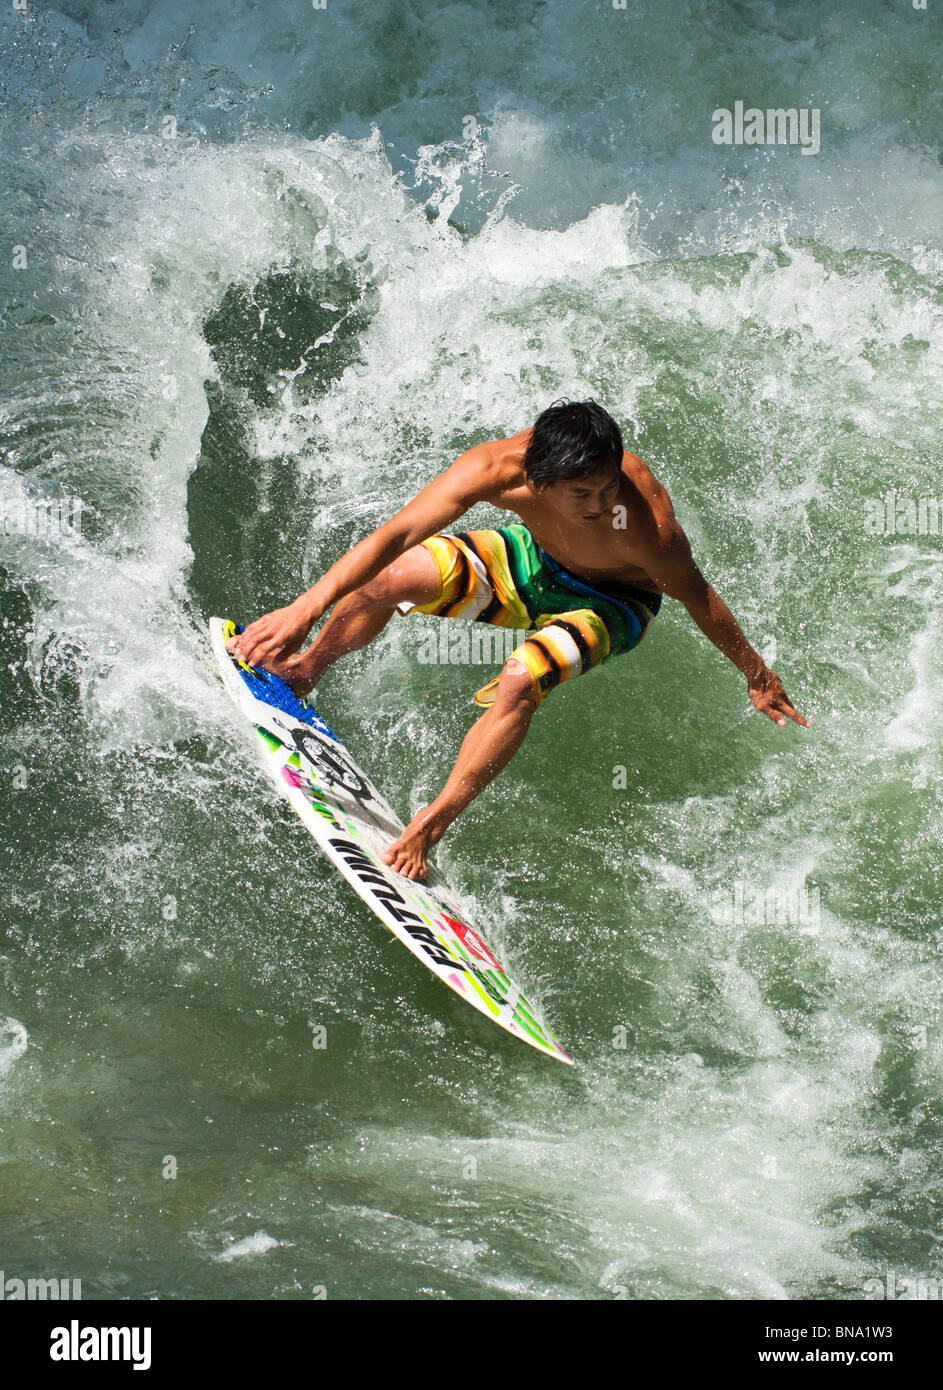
(254,647)
(251,655)
(778,707)
(255,642)
(785,704)
(774,707)
(245,640)
(264,652)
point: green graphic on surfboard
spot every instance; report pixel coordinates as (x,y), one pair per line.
(352,822)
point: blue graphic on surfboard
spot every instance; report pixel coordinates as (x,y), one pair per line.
(352,822)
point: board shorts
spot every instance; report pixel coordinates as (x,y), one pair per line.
(504,578)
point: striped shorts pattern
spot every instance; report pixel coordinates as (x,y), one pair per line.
(504,578)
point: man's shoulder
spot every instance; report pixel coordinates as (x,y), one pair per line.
(647,485)
(654,503)
(508,454)
(495,466)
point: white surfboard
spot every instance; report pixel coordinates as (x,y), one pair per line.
(352,822)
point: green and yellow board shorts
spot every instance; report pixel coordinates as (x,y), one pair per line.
(504,578)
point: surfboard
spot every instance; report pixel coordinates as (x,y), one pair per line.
(351,823)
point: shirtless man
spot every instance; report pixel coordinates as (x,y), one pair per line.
(599,546)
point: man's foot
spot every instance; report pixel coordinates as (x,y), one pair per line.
(298,676)
(295,671)
(409,855)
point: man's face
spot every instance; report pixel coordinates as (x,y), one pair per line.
(586,501)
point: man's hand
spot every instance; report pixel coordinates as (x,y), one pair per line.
(670,563)
(274,636)
(766,691)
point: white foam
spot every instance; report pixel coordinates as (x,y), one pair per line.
(258,1244)
(14,1041)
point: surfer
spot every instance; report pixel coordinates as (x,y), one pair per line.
(597,547)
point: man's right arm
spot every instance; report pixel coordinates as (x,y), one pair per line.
(466,481)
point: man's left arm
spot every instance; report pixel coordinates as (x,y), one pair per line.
(672,567)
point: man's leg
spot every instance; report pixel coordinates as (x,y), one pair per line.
(489,746)
(361,616)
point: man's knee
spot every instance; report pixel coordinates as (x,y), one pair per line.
(377,592)
(516,686)
(411,579)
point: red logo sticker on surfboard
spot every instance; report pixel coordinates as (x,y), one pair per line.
(473,943)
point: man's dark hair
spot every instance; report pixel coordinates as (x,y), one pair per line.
(571,439)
